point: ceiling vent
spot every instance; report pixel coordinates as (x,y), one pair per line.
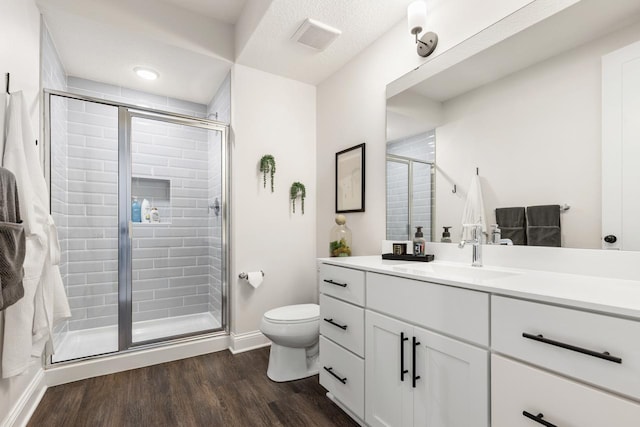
(315,35)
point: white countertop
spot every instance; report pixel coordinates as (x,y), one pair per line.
(607,295)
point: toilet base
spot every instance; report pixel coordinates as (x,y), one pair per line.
(289,364)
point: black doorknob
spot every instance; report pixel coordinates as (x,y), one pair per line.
(610,238)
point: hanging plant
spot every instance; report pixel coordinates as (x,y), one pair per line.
(297,189)
(267,165)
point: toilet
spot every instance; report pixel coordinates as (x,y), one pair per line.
(294,331)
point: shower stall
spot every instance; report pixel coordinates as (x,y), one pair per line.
(136,281)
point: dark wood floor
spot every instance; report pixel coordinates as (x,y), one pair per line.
(218,389)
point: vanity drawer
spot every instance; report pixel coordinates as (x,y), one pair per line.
(573,342)
(343,283)
(343,323)
(453,311)
(342,374)
(516,388)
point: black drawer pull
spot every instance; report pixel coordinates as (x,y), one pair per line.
(415,378)
(343,327)
(342,285)
(402,370)
(538,419)
(330,370)
(605,355)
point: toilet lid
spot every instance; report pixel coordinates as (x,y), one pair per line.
(294,313)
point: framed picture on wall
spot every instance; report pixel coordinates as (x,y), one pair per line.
(350,180)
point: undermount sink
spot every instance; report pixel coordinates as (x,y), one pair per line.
(454,272)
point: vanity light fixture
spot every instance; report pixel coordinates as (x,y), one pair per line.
(146,73)
(417,17)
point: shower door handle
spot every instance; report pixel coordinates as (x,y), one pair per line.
(130,231)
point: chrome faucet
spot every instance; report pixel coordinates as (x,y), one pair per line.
(476,254)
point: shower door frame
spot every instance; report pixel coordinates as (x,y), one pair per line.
(126,112)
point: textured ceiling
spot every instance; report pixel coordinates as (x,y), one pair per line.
(227,11)
(361,22)
(193,43)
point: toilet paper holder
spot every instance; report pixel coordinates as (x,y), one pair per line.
(245,276)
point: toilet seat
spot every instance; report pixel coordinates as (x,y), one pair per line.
(299,313)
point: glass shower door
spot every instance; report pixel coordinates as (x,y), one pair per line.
(176,228)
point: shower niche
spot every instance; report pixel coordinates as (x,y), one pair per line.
(157,192)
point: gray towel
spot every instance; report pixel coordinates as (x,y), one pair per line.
(12,252)
(544,225)
(12,242)
(513,224)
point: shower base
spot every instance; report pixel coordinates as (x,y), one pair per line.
(92,342)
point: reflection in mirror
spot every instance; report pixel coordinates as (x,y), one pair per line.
(410,162)
(532,127)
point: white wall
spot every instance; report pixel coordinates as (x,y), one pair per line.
(20,56)
(351,110)
(536,137)
(271,115)
(20,51)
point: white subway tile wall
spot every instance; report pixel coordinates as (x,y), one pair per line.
(417,147)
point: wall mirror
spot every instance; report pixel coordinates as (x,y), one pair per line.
(535,114)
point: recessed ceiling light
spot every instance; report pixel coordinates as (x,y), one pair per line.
(146,73)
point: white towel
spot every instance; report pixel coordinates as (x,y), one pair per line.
(473,212)
(28,324)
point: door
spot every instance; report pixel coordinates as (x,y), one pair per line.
(388,392)
(621,149)
(452,390)
(176,225)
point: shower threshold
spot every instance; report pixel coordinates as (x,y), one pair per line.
(95,341)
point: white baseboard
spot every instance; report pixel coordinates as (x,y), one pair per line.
(28,402)
(247,341)
(122,362)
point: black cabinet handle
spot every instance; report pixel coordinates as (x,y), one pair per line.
(343,327)
(342,285)
(605,355)
(538,419)
(415,378)
(330,370)
(402,370)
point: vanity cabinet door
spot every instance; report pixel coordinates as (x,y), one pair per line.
(520,392)
(388,393)
(452,388)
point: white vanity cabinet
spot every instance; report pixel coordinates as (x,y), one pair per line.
(342,296)
(416,376)
(431,350)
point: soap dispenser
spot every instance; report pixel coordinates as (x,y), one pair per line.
(446,235)
(496,234)
(418,242)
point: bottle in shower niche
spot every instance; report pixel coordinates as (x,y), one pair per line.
(418,242)
(146,210)
(136,210)
(155,215)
